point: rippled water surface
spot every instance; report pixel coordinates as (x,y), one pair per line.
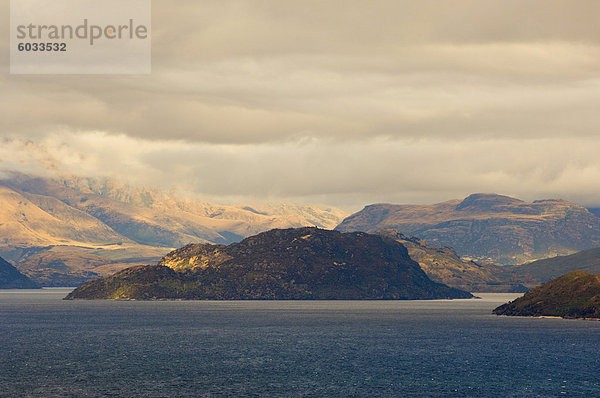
(50,347)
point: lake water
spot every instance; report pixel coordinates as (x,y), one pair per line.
(55,348)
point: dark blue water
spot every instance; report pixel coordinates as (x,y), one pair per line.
(55,348)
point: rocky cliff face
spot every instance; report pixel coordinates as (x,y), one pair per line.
(487,227)
(11,278)
(302,263)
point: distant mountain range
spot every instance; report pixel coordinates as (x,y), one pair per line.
(301,263)
(489,228)
(66,231)
(542,271)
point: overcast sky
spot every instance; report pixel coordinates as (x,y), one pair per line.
(340,102)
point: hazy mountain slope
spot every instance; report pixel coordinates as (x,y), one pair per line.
(274,215)
(11,278)
(489,227)
(303,263)
(574,295)
(140,224)
(70,230)
(29,220)
(157,218)
(59,245)
(443,265)
(542,271)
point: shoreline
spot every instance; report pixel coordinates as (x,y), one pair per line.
(550,317)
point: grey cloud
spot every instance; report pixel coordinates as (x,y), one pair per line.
(343,102)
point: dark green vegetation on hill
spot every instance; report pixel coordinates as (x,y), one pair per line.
(11,278)
(542,271)
(574,295)
(443,265)
(488,227)
(303,263)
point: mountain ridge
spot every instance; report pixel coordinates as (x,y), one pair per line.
(488,227)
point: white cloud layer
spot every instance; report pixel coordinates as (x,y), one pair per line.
(322,171)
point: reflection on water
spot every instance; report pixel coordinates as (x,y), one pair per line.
(51,347)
